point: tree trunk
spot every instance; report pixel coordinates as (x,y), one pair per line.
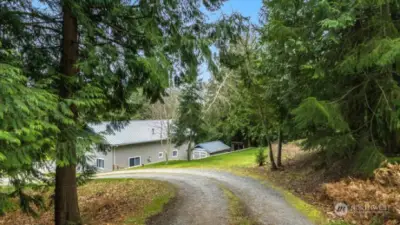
(188,151)
(66,197)
(271,156)
(66,209)
(168,131)
(279,157)
(168,150)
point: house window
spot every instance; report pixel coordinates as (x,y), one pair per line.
(161,155)
(175,153)
(203,155)
(134,161)
(100,163)
(153,131)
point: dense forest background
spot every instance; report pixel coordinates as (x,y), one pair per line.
(326,73)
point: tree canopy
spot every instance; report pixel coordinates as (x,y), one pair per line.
(86,62)
(328,73)
(325,72)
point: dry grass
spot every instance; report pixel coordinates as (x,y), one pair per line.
(114,201)
(323,188)
(377,197)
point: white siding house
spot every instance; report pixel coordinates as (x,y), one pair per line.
(139,143)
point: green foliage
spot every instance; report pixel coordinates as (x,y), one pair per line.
(125,49)
(394,160)
(261,157)
(314,113)
(6,204)
(326,72)
(243,107)
(27,134)
(367,160)
(338,60)
(377,220)
(188,127)
(326,129)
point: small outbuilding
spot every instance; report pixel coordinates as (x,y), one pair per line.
(204,150)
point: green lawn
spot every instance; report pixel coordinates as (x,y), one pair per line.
(243,158)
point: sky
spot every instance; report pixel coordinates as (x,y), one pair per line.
(248,8)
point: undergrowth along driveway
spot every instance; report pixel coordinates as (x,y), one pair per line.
(207,202)
(107,201)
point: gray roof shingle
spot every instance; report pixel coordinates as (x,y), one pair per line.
(213,146)
(137,131)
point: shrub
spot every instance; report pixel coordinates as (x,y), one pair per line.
(261,157)
(367,160)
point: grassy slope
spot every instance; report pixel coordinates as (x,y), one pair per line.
(238,163)
(108,201)
(244,158)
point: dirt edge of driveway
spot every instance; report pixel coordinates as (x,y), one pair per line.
(239,212)
(166,210)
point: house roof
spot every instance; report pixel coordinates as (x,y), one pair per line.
(135,132)
(213,146)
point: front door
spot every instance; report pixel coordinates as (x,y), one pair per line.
(134,161)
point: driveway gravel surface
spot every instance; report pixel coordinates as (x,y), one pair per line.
(200,200)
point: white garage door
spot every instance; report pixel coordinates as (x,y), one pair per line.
(199,154)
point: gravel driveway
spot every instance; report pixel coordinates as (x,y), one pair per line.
(201,201)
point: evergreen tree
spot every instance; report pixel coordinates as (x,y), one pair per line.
(341,58)
(94,56)
(255,109)
(27,135)
(188,128)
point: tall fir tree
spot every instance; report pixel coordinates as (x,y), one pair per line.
(94,56)
(188,127)
(27,134)
(341,58)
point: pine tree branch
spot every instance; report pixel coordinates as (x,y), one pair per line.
(38,15)
(43,27)
(349,91)
(383,93)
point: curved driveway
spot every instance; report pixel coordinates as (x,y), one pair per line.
(200,199)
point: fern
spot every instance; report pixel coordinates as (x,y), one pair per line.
(312,112)
(367,160)
(327,129)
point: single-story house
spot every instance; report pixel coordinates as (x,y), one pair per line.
(204,150)
(139,143)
